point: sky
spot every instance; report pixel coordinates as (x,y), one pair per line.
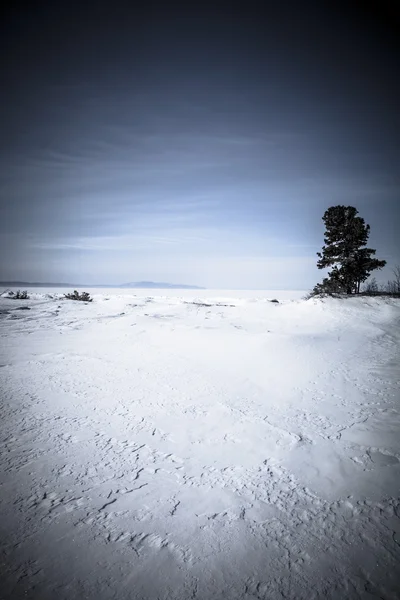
(194,145)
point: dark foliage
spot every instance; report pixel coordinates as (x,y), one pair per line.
(18,295)
(83,297)
(352,264)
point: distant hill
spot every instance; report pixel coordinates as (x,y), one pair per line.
(140,284)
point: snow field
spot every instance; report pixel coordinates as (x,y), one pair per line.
(199,446)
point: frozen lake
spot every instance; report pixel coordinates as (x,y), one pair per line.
(182,293)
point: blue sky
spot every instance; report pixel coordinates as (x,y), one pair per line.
(216,175)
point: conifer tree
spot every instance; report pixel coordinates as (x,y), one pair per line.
(345,236)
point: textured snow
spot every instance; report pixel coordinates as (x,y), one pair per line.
(199,445)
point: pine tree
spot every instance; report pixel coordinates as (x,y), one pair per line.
(345,236)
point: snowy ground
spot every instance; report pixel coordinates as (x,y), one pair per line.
(187,445)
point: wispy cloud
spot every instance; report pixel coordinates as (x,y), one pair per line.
(169,196)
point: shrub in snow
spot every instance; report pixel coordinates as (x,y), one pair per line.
(393,287)
(371,286)
(18,295)
(324,290)
(308,296)
(83,297)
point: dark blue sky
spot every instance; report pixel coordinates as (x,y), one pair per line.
(194,145)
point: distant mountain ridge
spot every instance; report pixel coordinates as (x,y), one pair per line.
(139,284)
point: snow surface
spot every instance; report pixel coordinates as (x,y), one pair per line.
(199,445)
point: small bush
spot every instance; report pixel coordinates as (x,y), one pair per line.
(83,297)
(18,295)
(371,287)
